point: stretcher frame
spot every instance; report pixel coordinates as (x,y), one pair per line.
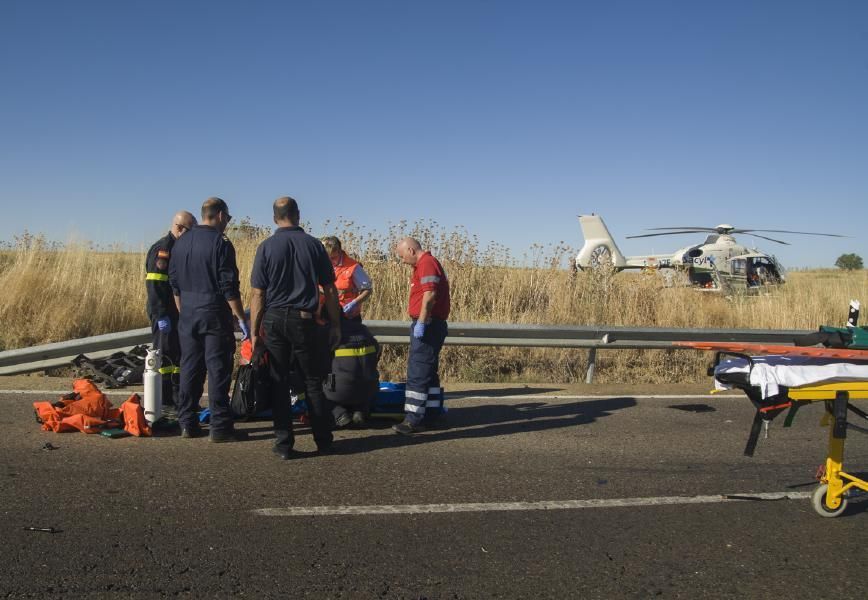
(829,498)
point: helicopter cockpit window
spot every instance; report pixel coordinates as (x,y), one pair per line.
(712,239)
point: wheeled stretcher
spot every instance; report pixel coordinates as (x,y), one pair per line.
(837,384)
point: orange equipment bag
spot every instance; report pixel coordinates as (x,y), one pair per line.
(134,417)
(86,409)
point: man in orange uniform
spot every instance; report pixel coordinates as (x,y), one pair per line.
(429,309)
(353,284)
(354,287)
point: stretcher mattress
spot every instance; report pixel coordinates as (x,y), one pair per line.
(770,372)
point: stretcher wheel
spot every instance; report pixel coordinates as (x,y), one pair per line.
(818,501)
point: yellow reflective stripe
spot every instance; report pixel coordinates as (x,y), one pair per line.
(356,351)
(169,370)
(156,277)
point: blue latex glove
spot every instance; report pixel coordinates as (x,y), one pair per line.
(350,306)
(245,330)
(418,330)
(164,325)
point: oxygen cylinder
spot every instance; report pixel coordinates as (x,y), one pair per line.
(853,317)
(153,381)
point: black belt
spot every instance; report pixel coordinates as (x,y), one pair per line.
(293,312)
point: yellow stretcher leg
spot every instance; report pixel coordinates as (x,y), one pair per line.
(828,499)
(832,477)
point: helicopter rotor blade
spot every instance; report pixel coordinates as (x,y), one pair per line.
(766,238)
(728,230)
(683,229)
(787,231)
(666,233)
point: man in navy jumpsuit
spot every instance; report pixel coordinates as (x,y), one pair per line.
(162,312)
(288,269)
(429,309)
(204,278)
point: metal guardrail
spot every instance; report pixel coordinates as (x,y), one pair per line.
(593,337)
(47,356)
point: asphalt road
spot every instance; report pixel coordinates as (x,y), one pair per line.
(166,516)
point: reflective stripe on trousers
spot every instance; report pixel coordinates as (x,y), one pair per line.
(416,402)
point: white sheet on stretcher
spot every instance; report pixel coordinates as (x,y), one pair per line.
(770,372)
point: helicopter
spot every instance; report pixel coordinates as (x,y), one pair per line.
(719,264)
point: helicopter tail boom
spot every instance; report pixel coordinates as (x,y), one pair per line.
(600,247)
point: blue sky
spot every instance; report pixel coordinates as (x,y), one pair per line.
(507,118)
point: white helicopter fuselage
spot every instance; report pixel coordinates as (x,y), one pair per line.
(713,253)
(720,259)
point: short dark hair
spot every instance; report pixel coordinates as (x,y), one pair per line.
(212,206)
(285,208)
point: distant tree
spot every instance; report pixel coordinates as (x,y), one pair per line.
(849,262)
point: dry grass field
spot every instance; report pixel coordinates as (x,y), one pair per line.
(52,293)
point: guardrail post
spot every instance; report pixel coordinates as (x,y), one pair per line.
(592,360)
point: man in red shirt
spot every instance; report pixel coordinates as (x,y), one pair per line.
(429,309)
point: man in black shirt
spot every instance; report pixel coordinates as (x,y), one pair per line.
(288,269)
(204,278)
(162,312)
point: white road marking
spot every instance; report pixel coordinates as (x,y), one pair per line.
(297,511)
(415,509)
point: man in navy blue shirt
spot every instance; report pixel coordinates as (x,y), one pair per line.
(288,270)
(204,279)
(162,312)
